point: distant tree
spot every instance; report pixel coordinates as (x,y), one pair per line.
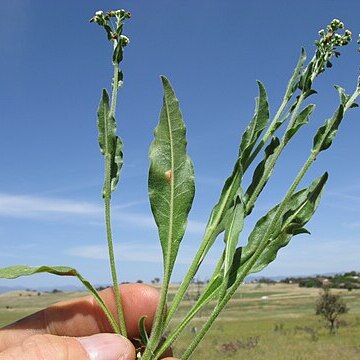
(330,306)
(99,288)
(155,280)
(139,281)
(264,280)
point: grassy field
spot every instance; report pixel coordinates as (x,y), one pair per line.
(261,322)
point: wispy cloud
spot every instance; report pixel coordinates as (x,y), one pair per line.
(44,208)
(30,206)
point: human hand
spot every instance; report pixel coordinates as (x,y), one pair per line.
(78,329)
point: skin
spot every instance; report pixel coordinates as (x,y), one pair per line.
(58,327)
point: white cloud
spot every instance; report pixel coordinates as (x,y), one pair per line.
(29,206)
(45,208)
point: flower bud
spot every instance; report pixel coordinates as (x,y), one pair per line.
(124,40)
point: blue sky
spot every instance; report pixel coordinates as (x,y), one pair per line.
(53,65)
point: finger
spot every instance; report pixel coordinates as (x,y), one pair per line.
(95,347)
(83,316)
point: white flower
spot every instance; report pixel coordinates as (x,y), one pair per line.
(99,13)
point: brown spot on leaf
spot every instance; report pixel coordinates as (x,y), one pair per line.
(168,176)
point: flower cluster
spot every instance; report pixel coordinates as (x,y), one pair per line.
(329,41)
(330,38)
(102,18)
(113,32)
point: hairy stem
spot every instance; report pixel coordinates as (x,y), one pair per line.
(107,199)
(266,238)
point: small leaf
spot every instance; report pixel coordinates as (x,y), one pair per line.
(301,119)
(116,163)
(327,132)
(171,176)
(261,170)
(293,85)
(297,212)
(106,129)
(235,266)
(234,225)
(256,126)
(142,330)
(118,52)
(13,272)
(110,144)
(305,82)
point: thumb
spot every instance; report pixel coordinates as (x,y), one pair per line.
(94,347)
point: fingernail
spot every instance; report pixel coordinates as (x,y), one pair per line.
(107,347)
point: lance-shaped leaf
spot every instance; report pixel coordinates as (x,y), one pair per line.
(144,338)
(344,98)
(301,119)
(326,133)
(256,126)
(293,84)
(228,193)
(296,213)
(110,144)
(171,175)
(262,173)
(232,183)
(13,272)
(234,225)
(305,82)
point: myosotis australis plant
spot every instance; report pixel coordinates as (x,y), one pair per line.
(171,188)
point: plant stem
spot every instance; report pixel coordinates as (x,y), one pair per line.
(211,231)
(194,310)
(249,264)
(263,244)
(107,199)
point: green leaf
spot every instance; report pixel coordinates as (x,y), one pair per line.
(297,212)
(301,119)
(232,183)
(106,128)
(235,266)
(327,132)
(171,175)
(342,95)
(305,82)
(110,144)
(233,228)
(116,164)
(118,53)
(13,272)
(293,85)
(256,126)
(261,170)
(142,330)
(228,193)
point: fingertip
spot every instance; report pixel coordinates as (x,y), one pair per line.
(107,347)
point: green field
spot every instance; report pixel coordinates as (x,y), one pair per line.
(280,326)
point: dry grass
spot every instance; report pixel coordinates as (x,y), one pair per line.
(280,326)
